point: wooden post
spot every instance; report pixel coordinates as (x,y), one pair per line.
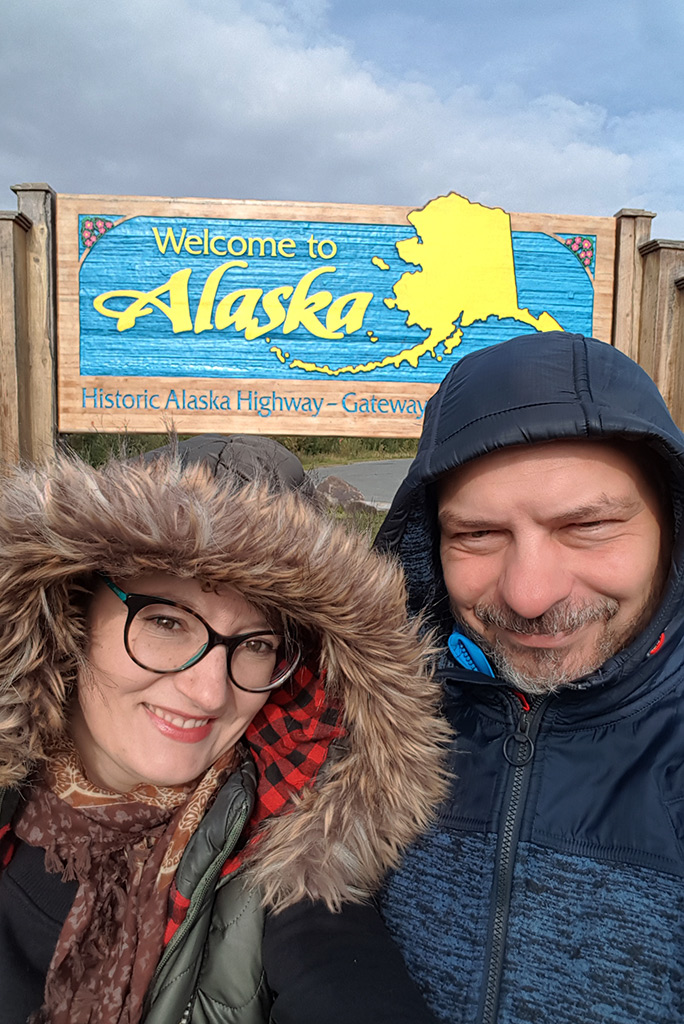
(13,327)
(633,229)
(677,401)
(39,424)
(661,345)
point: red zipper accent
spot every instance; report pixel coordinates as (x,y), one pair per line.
(523,699)
(657,646)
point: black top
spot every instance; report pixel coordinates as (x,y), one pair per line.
(323,968)
(341,968)
(33,907)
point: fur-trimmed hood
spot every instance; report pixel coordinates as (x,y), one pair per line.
(61,524)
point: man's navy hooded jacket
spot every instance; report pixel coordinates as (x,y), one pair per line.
(552,887)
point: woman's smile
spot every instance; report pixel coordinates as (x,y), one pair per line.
(178,726)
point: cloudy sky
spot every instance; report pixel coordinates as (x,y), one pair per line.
(532,105)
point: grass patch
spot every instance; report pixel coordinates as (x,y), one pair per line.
(367,523)
(331,451)
(96,448)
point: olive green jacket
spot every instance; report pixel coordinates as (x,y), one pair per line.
(211,970)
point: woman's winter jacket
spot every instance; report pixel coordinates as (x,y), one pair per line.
(376,787)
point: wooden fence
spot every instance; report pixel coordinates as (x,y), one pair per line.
(648,318)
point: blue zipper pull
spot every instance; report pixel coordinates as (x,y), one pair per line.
(468,655)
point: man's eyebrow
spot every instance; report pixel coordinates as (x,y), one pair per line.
(452,521)
(604,508)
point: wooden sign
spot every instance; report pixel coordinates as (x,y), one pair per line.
(219,315)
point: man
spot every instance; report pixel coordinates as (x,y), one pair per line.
(540,529)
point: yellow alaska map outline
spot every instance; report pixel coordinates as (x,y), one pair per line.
(465,252)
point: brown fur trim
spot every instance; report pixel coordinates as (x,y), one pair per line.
(61,524)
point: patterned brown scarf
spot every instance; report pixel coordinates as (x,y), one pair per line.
(123,849)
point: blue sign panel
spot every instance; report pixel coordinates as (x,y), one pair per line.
(279,299)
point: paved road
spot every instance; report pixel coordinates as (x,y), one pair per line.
(378,481)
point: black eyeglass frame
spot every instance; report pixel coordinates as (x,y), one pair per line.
(135,602)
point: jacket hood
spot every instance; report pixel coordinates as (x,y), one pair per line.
(534,388)
(61,524)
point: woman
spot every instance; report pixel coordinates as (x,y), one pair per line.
(210,702)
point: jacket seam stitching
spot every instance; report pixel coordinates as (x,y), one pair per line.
(234,1006)
(496,415)
(660,695)
(605,855)
(177,977)
(223,926)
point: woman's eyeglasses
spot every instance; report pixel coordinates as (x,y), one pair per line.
(163,636)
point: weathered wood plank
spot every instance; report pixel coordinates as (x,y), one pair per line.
(633,229)
(661,345)
(13,329)
(150,404)
(36,201)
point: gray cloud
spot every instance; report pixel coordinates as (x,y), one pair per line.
(303,99)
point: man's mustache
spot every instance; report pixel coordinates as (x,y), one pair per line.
(564,617)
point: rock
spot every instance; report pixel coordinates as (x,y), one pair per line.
(337,493)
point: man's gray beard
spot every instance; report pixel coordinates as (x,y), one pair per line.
(548,674)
